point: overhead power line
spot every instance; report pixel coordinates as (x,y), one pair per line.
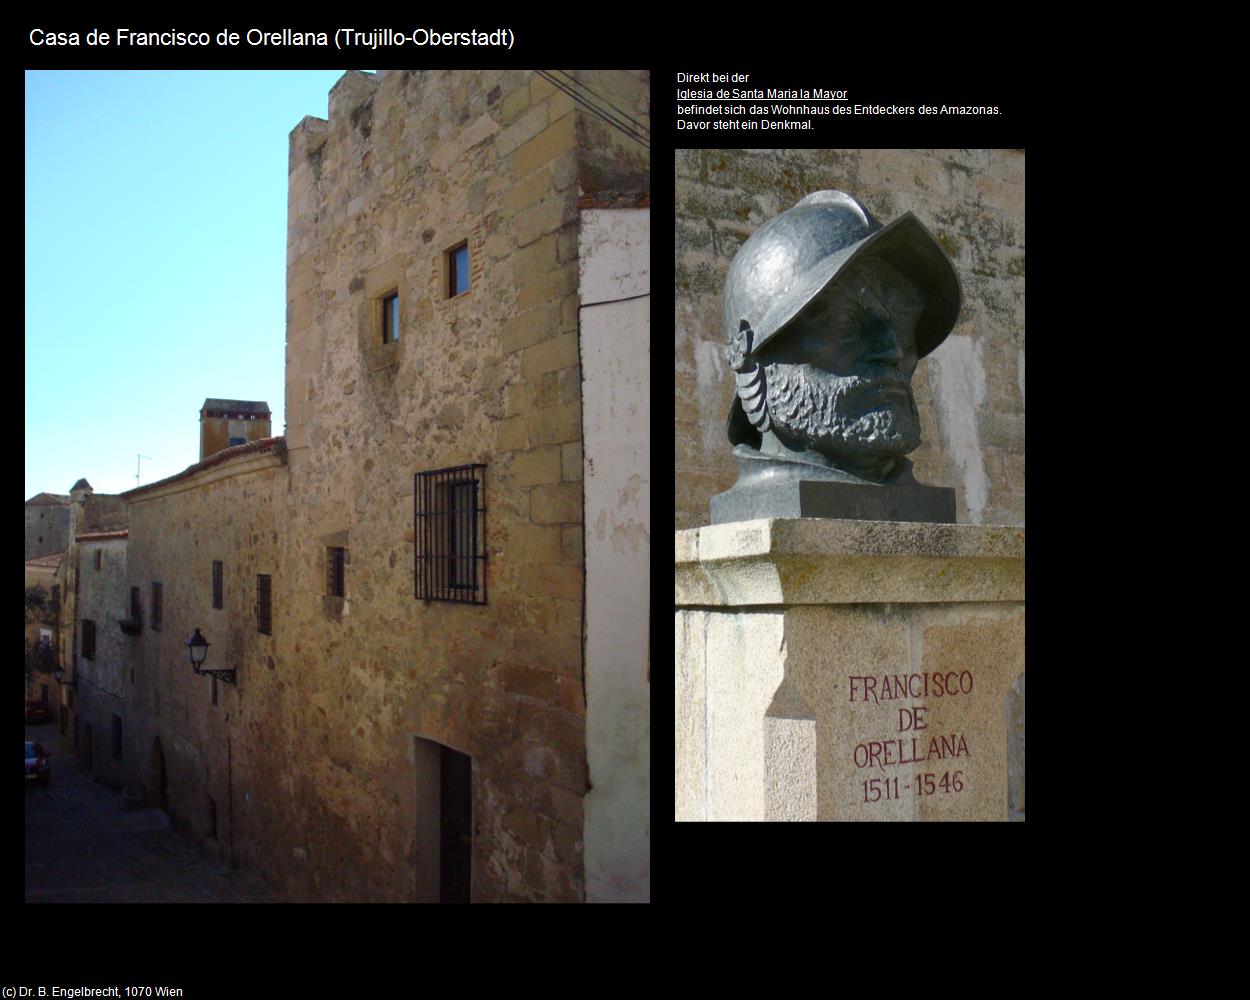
(599,106)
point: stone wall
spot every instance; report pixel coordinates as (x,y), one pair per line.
(47,526)
(231,746)
(323,761)
(103,681)
(970,391)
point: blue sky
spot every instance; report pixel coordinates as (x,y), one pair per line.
(155,262)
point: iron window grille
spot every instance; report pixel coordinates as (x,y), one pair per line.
(336,572)
(451,534)
(264,604)
(217,574)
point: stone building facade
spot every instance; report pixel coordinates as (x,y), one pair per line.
(47,524)
(970,391)
(227,423)
(448,234)
(102,665)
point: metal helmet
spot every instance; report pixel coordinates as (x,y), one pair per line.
(790,261)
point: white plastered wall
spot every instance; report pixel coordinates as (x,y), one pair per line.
(615,284)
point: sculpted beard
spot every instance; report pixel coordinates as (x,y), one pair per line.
(848,414)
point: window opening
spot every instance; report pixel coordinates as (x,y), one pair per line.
(264,604)
(217,586)
(450,532)
(390,318)
(336,572)
(458,270)
(157,602)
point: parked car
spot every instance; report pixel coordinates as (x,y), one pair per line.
(38,764)
(37,711)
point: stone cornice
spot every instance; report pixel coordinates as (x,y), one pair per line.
(825,561)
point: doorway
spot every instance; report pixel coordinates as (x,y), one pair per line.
(160,785)
(444,823)
(87,756)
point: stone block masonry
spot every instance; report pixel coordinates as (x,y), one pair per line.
(326,754)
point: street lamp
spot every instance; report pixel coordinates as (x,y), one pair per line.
(197,646)
(58,674)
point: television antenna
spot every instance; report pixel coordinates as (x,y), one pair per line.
(138,457)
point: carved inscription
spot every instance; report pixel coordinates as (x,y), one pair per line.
(907,739)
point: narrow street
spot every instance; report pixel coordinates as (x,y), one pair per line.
(82,846)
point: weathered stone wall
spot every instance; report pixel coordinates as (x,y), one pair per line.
(320,759)
(970,391)
(408,166)
(232,751)
(47,528)
(103,598)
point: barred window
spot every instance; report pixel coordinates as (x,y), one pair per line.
(217,574)
(88,639)
(157,609)
(264,604)
(450,533)
(336,571)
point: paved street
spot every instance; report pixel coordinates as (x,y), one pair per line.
(83,847)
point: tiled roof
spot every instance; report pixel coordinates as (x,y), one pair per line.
(49,498)
(82,484)
(277,444)
(236,405)
(52,561)
(102,536)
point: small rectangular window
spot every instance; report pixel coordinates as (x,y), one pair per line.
(264,604)
(458,270)
(212,818)
(136,607)
(88,639)
(336,572)
(157,605)
(117,736)
(237,441)
(99,558)
(450,533)
(217,574)
(390,318)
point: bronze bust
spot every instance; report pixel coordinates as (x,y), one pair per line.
(827,313)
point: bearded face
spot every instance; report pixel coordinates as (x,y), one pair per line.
(838,379)
(857,416)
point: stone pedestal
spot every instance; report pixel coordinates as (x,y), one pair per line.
(849,670)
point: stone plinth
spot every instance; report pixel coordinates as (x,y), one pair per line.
(848,670)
